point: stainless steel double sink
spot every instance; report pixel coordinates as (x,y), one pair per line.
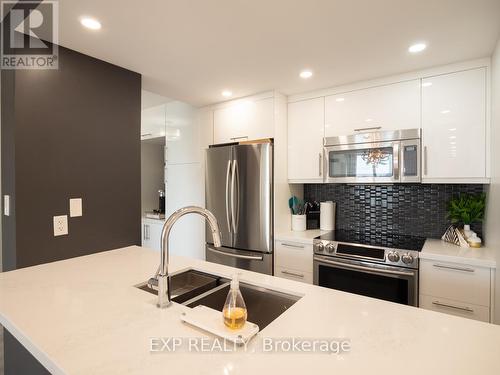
(193,288)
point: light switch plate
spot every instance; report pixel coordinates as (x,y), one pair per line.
(75,207)
(60,225)
(6,205)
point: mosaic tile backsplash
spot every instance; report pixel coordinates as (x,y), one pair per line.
(414,209)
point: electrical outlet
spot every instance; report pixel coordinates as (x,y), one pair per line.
(60,225)
(75,207)
(6,205)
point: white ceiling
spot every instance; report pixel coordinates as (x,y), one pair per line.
(191,50)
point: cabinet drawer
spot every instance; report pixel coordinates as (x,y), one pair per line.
(455,281)
(293,255)
(286,273)
(447,306)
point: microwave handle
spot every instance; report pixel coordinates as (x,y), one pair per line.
(320,159)
(425,160)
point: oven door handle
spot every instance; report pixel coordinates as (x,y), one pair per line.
(362,268)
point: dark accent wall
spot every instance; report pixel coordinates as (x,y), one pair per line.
(70,133)
(414,209)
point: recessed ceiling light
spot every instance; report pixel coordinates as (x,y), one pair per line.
(369,120)
(306,74)
(417,47)
(445,111)
(339,99)
(426,84)
(226,93)
(90,23)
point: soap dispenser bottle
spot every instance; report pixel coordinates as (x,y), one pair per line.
(235,310)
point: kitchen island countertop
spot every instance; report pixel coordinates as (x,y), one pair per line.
(84,316)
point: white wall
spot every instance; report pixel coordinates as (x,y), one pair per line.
(492,232)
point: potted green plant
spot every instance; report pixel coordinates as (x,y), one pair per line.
(467,209)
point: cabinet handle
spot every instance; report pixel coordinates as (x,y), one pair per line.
(146,237)
(372,128)
(235,138)
(294,246)
(440,304)
(425,160)
(319,162)
(454,268)
(293,274)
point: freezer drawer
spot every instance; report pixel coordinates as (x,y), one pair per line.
(247,260)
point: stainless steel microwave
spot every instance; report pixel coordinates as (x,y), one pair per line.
(374,157)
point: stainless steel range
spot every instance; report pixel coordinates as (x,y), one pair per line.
(380,266)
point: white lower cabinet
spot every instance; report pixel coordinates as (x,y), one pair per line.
(456,289)
(291,274)
(151,233)
(294,261)
(458,308)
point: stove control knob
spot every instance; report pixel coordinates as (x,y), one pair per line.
(330,248)
(320,247)
(393,256)
(407,258)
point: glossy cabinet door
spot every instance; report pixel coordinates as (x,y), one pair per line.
(389,107)
(454,126)
(151,233)
(456,289)
(305,140)
(153,122)
(244,120)
(294,261)
(183,133)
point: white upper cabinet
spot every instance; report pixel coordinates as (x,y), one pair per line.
(388,107)
(153,122)
(244,119)
(454,127)
(183,133)
(306,123)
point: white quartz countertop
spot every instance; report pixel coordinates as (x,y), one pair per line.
(433,249)
(304,237)
(84,316)
(446,252)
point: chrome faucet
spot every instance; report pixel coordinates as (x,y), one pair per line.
(162,276)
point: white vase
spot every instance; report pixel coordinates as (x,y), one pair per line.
(299,223)
(467,231)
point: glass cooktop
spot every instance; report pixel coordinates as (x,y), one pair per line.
(395,241)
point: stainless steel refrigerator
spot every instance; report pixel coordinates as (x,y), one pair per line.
(239,191)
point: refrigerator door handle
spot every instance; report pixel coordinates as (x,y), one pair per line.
(235,206)
(239,256)
(228,171)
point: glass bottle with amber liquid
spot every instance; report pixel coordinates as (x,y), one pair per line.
(235,310)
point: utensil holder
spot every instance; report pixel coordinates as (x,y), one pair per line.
(299,223)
